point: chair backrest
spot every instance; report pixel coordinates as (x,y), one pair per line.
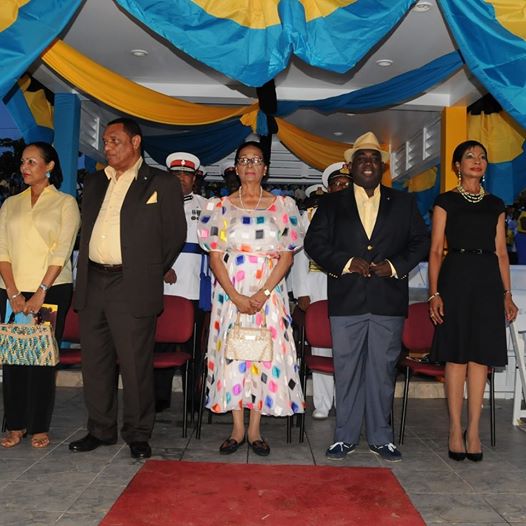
(418,329)
(176,323)
(317,325)
(71,327)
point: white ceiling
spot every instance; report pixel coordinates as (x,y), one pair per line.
(107,35)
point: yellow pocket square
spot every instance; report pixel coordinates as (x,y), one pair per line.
(152,199)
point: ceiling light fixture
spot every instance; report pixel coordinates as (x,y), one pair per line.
(422,7)
(139,52)
(384,62)
(338,134)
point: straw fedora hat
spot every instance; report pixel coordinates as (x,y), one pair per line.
(367,141)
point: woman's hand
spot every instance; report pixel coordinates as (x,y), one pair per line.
(34,303)
(510,308)
(257,300)
(18,303)
(243,304)
(436,310)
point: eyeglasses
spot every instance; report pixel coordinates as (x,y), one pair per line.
(254,161)
(339,184)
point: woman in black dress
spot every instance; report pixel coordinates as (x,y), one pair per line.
(470,293)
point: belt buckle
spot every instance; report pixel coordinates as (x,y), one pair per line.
(478,251)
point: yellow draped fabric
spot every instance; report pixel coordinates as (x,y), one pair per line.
(38,104)
(258,14)
(9,12)
(512,15)
(129,97)
(315,150)
(320,8)
(501,136)
(422,181)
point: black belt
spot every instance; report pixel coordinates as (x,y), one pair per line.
(472,251)
(104,267)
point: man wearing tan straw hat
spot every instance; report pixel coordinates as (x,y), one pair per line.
(309,284)
(367,237)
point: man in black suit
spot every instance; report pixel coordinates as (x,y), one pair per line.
(133,227)
(367,237)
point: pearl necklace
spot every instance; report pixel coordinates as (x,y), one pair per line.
(469,197)
(243,204)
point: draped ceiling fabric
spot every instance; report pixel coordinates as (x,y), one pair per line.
(26,29)
(506,145)
(227,128)
(31,111)
(491,35)
(254,44)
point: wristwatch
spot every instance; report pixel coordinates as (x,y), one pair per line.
(43,287)
(266,292)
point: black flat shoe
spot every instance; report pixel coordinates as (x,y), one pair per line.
(89,443)
(455,455)
(140,450)
(230,445)
(474,457)
(260,447)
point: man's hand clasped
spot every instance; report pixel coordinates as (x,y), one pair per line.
(366,269)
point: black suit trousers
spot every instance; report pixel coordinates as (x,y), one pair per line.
(113,341)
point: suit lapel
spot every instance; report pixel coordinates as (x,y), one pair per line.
(136,190)
(383,210)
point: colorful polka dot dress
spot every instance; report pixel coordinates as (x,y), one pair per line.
(251,241)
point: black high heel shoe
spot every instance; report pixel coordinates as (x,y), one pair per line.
(456,455)
(459,456)
(474,457)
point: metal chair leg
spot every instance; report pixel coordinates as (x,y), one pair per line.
(185,402)
(492,407)
(303,379)
(404,405)
(201,399)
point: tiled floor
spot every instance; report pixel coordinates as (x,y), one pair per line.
(55,486)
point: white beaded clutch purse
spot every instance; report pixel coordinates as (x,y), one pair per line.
(249,343)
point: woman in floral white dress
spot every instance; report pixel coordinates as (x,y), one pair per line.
(251,236)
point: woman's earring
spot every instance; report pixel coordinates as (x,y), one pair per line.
(483,180)
(48,175)
(459,177)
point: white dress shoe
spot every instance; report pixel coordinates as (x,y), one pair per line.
(318,414)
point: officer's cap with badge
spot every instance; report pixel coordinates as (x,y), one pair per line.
(334,170)
(183,162)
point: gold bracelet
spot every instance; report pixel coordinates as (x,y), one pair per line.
(14,296)
(435,295)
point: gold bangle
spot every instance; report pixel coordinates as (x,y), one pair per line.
(14,296)
(435,295)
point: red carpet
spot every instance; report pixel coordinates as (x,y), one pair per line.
(167,492)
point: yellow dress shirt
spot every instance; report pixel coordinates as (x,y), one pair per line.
(105,241)
(33,238)
(368,212)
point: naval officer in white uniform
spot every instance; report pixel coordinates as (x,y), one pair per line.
(184,278)
(309,284)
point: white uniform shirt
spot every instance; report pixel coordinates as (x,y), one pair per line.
(306,277)
(187,266)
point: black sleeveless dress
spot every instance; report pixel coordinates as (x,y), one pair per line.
(474,328)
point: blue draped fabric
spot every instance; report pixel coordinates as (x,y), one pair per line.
(21,43)
(392,92)
(210,143)
(495,55)
(20,112)
(507,179)
(254,51)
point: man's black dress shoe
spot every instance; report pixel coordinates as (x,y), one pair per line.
(140,450)
(230,445)
(89,443)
